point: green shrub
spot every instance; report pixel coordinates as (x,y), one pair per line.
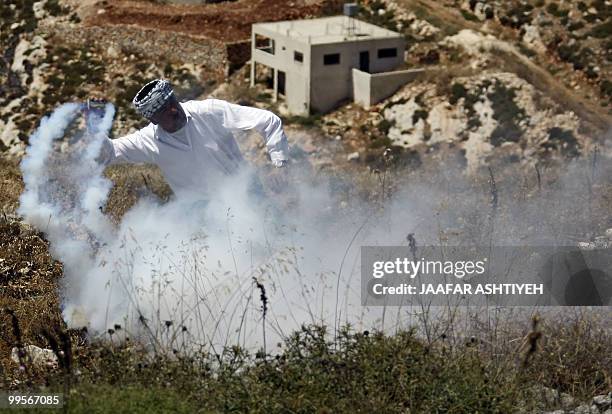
(601,7)
(506,113)
(419,114)
(563,140)
(137,399)
(264,96)
(168,69)
(575,55)
(517,16)
(310,121)
(575,26)
(602,31)
(553,8)
(380,142)
(469,16)
(371,13)
(385,125)
(526,51)
(458,91)
(55,9)
(590,72)
(606,88)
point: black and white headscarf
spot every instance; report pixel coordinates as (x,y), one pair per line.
(152,96)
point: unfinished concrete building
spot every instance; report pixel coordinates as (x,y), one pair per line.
(318,64)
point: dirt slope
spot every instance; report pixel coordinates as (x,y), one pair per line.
(228,21)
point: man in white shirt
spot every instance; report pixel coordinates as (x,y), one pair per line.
(192,142)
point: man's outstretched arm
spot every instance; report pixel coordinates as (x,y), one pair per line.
(129,148)
(265,122)
(132,148)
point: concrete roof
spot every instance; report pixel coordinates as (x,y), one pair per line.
(327,30)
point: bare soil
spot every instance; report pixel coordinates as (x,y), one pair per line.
(228,21)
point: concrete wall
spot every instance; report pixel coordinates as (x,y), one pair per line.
(297,77)
(371,88)
(362,86)
(332,84)
(297,94)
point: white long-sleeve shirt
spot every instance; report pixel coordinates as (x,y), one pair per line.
(200,154)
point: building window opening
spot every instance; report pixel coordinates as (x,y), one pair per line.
(281,83)
(331,59)
(298,56)
(387,53)
(265,44)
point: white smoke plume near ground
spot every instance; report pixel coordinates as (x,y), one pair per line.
(190,273)
(184,272)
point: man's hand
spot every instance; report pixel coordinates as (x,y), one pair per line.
(277,177)
(93,110)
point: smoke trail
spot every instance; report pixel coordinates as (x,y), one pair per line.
(38,211)
(65,190)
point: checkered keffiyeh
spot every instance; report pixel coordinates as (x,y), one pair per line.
(152,96)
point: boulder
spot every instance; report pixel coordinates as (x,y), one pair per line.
(603,402)
(36,357)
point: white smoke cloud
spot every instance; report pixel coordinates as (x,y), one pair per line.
(181,274)
(183,271)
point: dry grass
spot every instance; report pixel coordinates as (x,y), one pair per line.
(493,367)
(359,372)
(575,356)
(28,286)
(11,185)
(132,182)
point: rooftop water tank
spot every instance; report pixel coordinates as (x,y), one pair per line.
(350,9)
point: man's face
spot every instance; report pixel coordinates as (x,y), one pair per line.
(170,117)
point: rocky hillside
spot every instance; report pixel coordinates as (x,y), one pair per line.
(523,80)
(570,40)
(39,71)
(57,51)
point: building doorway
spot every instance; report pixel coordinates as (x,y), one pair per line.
(364,61)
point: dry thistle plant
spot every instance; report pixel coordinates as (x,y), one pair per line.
(264,308)
(529,345)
